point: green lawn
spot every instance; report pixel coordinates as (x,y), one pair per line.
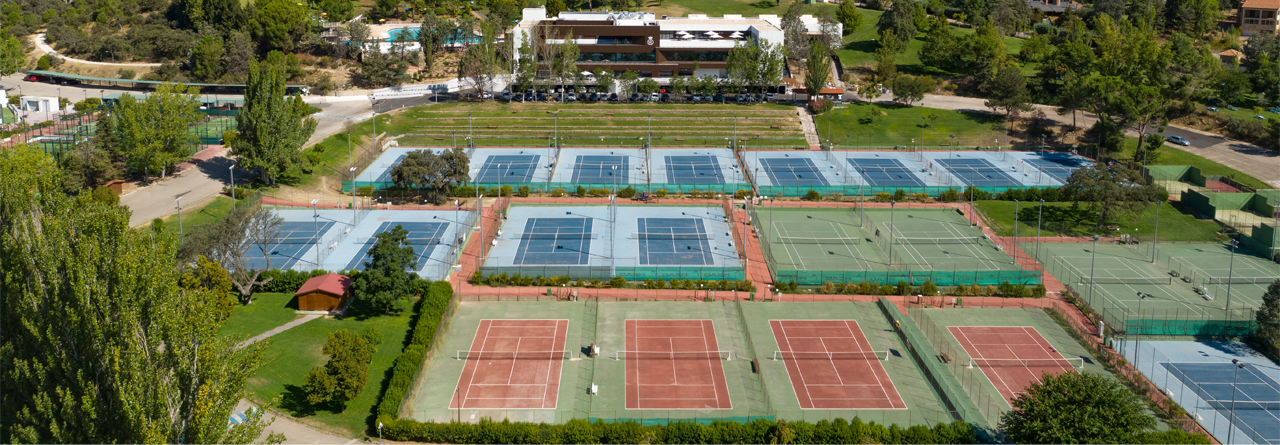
(1062,218)
(268,311)
(1168,155)
(194,217)
(715,8)
(868,124)
(295,352)
(860,46)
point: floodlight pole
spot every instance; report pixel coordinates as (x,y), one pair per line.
(1094,253)
(232,169)
(1156,238)
(354,212)
(971,214)
(1039,221)
(178,202)
(1137,345)
(1230,268)
(470,133)
(315,219)
(1014,248)
(556,128)
(1235,375)
(862,205)
(892,205)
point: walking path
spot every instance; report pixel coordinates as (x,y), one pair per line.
(810,131)
(278,329)
(44,47)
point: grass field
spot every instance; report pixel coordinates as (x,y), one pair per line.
(295,352)
(1176,156)
(199,215)
(865,124)
(268,311)
(1065,219)
(860,47)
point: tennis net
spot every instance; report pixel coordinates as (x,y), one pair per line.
(411,241)
(802,240)
(673,355)
(814,355)
(1244,405)
(962,240)
(1084,280)
(513,355)
(1077,362)
(670,236)
(557,236)
(312,240)
(1241,280)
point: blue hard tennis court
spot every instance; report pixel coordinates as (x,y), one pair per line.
(1057,165)
(888,172)
(507,168)
(296,238)
(1257,396)
(694,170)
(980,172)
(793,171)
(555,241)
(673,241)
(423,237)
(596,169)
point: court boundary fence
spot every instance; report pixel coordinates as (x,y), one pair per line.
(958,404)
(446,320)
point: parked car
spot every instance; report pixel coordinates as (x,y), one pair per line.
(635,97)
(594,97)
(697,98)
(613,97)
(654,97)
(768,97)
(573,97)
(666,97)
(1178,140)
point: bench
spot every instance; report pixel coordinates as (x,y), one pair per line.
(946,358)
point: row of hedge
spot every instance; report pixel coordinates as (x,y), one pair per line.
(289,281)
(428,313)
(504,279)
(903,288)
(759,431)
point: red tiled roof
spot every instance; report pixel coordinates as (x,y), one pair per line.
(332,284)
(1230,53)
(1261,4)
(831,91)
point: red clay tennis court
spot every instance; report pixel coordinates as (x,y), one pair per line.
(674,364)
(512,364)
(1012,357)
(832,366)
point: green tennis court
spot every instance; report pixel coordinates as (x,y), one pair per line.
(211,132)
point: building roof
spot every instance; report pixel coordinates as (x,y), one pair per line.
(831,91)
(1261,4)
(1230,53)
(332,284)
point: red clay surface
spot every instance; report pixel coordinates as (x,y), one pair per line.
(655,381)
(506,383)
(833,383)
(1010,342)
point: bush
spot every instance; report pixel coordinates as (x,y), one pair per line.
(661,193)
(105,195)
(581,192)
(758,431)
(883,197)
(241,193)
(627,193)
(524,191)
(899,195)
(43,63)
(126,74)
(819,106)
(287,280)
(618,282)
(951,195)
(556,193)
(743,193)
(813,195)
(428,313)
(462,191)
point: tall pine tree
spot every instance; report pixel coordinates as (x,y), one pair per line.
(272,127)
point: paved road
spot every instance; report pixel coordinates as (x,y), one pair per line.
(294,431)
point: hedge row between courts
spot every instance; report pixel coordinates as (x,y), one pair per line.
(428,311)
(759,431)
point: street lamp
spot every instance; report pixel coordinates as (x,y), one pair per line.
(1230,265)
(1014,247)
(1137,346)
(1235,374)
(892,204)
(353,196)
(1092,262)
(1156,238)
(178,202)
(1039,221)
(315,218)
(232,169)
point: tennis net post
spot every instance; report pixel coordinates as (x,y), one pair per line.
(823,355)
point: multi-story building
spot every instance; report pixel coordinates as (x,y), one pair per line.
(653,47)
(1259,16)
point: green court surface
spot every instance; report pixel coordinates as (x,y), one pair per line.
(935,322)
(1135,295)
(211,132)
(742,333)
(924,406)
(849,245)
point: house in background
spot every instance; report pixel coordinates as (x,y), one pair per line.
(1259,16)
(326,293)
(1054,8)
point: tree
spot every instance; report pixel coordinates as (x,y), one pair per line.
(212,280)
(386,9)
(154,132)
(817,70)
(795,35)
(628,79)
(431,36)
(939,50)
(900,19)
(281,25)
(849,16)
(111,350)
(555,7)
(605,81)
(1008,91)
(386,281)
(12,57)
(829,30)
(272,127)
(908,89)
(425,170)
(1110,192)
(238,53)
(565,63)
(1261,44)
(379,70)
(1268,317)
(206,58)
(86,167)
(343,376)
(1076,407)
(983,53)
(473,68)
(1266,79)
(337,10)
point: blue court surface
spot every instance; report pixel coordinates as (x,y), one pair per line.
(511,165)
(1202,379)
(585,241)
(694,167)
(1057,166)
(981,168)
(600,167)
(433,234)
(792,168)
(885,172)
(379,171)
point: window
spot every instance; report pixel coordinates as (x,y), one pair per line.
(697,56)
(616,57)
(667,35)
(1251,13)
(1269,14)
(664,73)
(686,72)
(646,74)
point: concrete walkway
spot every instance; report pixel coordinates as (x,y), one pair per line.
(278,329)
(806,123)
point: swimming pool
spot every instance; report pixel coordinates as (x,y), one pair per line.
(412,34)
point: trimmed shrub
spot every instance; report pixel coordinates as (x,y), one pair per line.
(813,195)
(627,193)
(428,313)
